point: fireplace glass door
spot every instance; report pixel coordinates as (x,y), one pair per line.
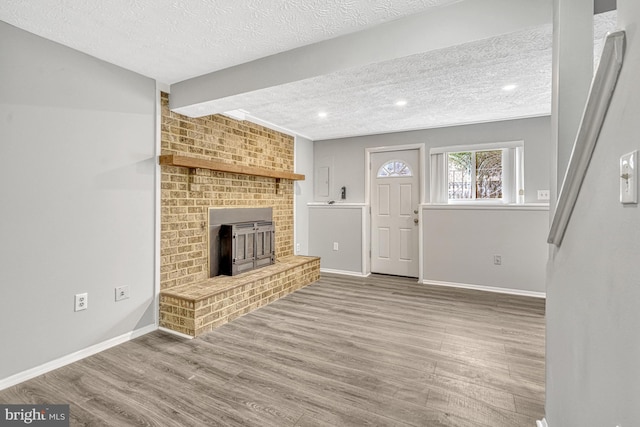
(245,246)
(264,243)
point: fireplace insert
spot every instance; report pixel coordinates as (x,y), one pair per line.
(245,246)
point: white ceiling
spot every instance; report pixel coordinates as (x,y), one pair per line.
(188,38)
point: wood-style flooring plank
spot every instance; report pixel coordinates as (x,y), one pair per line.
(345,351)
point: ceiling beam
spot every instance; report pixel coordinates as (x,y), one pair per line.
(601,6)
(438,28)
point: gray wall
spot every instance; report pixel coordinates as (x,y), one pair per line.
(460,243)
(340,224)
(593,288)
(77,200)
(346,157)
(572,72)
(303,193)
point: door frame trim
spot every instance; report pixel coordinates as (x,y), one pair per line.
(421,191)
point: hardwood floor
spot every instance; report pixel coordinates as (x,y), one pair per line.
(381,351)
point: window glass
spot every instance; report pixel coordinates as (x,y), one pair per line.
(489,174)
(395,168)
(459,174)
(474,175)
(485,172)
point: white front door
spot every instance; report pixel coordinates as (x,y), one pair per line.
(395,195)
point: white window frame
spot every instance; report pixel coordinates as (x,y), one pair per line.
(512,172)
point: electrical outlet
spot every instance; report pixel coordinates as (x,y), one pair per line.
(497,259)
(297,248)
(544,195)
(82,302)
(335,246)
(122,292)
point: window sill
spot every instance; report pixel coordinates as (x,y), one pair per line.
(488,206)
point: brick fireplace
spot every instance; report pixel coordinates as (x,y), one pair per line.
(188,193)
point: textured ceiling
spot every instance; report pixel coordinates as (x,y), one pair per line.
(443,87)
(173,40)
(187,38)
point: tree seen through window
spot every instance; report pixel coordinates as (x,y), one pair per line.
(475,175)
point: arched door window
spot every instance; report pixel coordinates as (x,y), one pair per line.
(394,169)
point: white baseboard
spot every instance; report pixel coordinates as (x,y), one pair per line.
(487,288)
(344,272)
(73,357)
(176,333)
(542,423)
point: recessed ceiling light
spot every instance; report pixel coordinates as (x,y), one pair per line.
(322,114)
(509,87)
(401,103)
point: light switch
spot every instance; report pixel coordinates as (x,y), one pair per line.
(628,178)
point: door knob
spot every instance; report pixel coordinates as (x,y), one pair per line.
(415,221)
(415,211)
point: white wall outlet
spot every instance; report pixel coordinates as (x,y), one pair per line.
(82,302)
(544,195)
(628,178)
(122,292)
(497,259)
(335,246)
(297,248)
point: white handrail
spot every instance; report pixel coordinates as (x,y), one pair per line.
(602,87)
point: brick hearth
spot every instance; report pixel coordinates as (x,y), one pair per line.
(196,308)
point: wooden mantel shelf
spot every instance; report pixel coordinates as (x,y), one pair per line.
(193,162)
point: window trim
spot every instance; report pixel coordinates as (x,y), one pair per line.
(512,178)
(476,147)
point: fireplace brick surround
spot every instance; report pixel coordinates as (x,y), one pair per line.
(186,196)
